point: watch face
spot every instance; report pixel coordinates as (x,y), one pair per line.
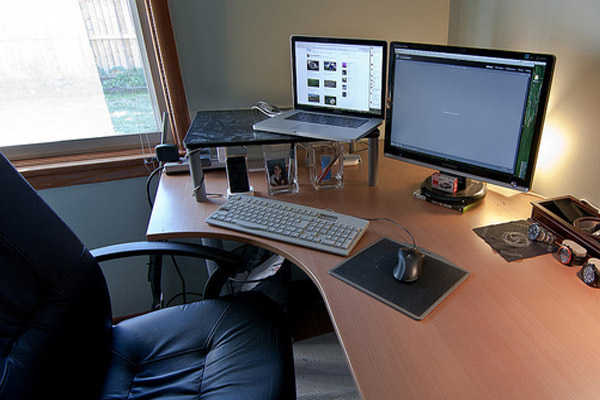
(565,255)
(533,232)
(590,274)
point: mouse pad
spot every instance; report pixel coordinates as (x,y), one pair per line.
(370,270)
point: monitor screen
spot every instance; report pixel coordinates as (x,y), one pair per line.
(339,74)
(475,113)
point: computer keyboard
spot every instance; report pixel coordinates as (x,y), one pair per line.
(332,120)
(292,223)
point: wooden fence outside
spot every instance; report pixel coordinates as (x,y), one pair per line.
(112,35)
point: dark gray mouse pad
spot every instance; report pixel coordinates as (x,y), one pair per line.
(370,270)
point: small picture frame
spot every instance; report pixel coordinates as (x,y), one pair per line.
(281,170)
(277,172)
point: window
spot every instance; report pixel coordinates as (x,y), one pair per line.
(72,71)
(76,77)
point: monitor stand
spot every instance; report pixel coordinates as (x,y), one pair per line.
(469,191)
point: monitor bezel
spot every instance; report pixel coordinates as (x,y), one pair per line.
(461,168)
(363,42)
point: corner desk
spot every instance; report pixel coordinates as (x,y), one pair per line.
(527,329)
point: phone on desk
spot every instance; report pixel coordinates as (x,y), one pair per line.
(236,168)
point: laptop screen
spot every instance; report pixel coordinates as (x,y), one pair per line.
(339,75)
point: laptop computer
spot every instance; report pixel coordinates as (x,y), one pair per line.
(338,89)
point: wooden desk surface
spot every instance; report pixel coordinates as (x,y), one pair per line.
(523,330)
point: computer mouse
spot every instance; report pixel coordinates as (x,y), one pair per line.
(409,266)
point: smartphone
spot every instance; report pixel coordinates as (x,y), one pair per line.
(237,174)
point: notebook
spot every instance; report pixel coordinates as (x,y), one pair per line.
(338,89)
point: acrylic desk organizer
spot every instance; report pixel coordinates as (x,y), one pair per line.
(326,164)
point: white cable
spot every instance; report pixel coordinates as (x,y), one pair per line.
(266,108)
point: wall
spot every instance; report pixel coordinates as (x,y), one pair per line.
(107,213)
(112,212)
(569,30)
(236,52)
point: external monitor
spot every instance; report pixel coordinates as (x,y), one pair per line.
(475,114)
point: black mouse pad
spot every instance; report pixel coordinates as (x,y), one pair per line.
(370,270)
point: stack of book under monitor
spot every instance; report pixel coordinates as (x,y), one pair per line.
(469,194)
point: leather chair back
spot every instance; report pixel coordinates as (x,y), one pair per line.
(55,316)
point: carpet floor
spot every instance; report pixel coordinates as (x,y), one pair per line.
(321,370)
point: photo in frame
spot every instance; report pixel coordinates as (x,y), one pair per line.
(281,168)
(278,172)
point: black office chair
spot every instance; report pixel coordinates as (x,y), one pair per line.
(57,340)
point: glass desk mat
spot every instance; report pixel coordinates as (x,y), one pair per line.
(231,128)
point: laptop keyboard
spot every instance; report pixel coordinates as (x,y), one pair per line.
(332,120)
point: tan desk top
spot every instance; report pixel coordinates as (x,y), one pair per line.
(523,330)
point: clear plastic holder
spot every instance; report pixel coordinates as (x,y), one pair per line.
(326,164)
(281,168)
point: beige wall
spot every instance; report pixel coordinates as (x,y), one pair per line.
(236,52)
(570,145)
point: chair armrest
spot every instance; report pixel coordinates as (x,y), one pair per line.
(143,248)
(228,263)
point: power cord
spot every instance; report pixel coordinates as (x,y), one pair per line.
(149,181)
(414,243)
(154,173)
(181,278)
(268,109)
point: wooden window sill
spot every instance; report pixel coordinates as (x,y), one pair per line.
(45,173)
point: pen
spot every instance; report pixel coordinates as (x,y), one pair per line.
(328,167)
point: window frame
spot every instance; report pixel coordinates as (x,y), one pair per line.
(123,156)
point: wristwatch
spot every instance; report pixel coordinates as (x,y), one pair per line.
(535,232)
(590,225)
(589,273)
(570,253)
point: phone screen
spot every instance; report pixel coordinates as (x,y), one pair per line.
(237,174)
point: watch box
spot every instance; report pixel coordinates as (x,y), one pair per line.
(560,215)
